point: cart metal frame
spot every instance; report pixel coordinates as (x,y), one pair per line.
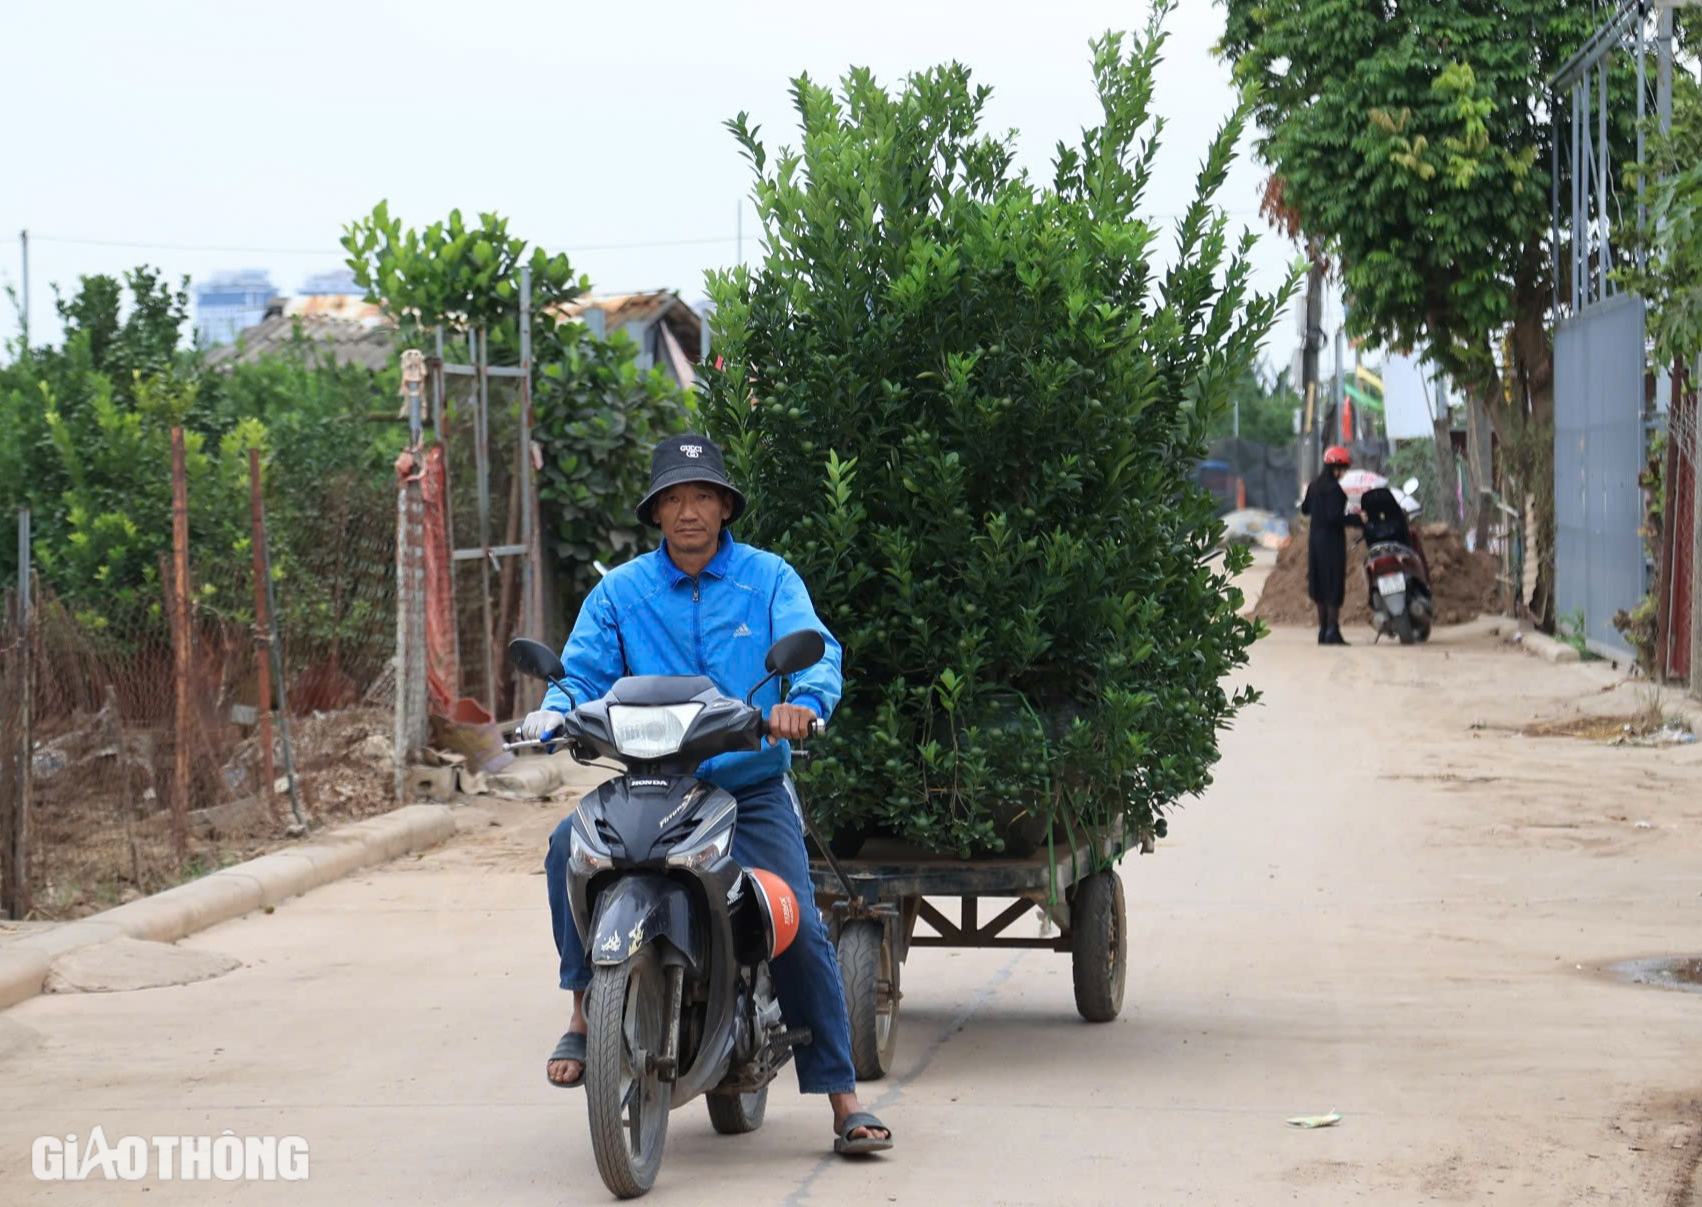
(891,890)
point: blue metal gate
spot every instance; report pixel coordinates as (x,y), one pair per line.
(1600,567)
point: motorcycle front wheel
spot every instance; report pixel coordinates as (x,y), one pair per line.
(628,1102)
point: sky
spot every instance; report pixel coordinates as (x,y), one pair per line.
(201,137)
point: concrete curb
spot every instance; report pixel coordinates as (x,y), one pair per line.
(1538,644)
(1550,650)
(228,893)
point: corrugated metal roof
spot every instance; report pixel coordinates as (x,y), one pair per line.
(621,308)
(683,326)
(348,341)
(354,331)
(340,305)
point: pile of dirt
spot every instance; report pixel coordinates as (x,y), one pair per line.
(1463,583)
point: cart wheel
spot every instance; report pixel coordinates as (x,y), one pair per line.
(1099,946)
(870,973)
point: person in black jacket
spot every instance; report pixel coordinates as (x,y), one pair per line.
(1326,567)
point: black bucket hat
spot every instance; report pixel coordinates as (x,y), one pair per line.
(687,458)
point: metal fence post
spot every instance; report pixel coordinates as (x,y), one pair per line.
(15,839)
(181,640)
(262,626)
(481,341)
(528,695)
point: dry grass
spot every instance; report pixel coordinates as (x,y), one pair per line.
(1596,729)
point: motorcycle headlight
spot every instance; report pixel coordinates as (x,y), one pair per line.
(704,853)
(651,732)
(584,859)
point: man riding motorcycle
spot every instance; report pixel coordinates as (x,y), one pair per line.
(704,604)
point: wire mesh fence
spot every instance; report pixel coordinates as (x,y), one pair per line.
(128,794)
(219,684)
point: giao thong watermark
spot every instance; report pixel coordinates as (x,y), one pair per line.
(226,1157)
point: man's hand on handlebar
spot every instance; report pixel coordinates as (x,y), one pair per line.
(791,723)
(539,723)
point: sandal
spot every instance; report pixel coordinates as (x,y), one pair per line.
(845,1146)
(571,1047)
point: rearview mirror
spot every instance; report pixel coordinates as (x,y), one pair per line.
(795,651)
(536,659)
(1410,486)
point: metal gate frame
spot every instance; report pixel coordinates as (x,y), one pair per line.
(1602,417)
(487,555)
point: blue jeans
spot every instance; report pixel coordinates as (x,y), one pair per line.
(769,834)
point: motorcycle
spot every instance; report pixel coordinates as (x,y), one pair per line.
(1395,572)
(678,935)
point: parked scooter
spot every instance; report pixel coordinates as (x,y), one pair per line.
(678,934)
(1395,571)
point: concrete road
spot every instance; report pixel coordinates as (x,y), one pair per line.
(1391,904)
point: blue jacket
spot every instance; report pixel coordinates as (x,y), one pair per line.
(648,617)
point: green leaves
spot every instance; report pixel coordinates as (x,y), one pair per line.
(1415,140)
(1667,267)
(967,413)
(459,277)
(597,418)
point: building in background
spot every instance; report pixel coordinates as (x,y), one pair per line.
(230,303)
(339,282)
(667,331)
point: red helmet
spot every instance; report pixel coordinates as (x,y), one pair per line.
(779,906)
(1337,455)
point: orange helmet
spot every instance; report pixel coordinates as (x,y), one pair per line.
(779,907)
(1337,455)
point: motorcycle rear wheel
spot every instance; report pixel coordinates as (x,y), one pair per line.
(1404,629)
(627,1100)
(737,1114)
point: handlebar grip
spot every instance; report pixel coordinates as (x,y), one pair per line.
(817,727)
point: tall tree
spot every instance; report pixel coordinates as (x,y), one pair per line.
(1416,138)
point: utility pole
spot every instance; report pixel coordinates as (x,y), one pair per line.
(1663,69)
(24,243)
(1309,360)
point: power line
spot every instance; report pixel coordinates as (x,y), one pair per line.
(142,246)
(322,251)
(637,245)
